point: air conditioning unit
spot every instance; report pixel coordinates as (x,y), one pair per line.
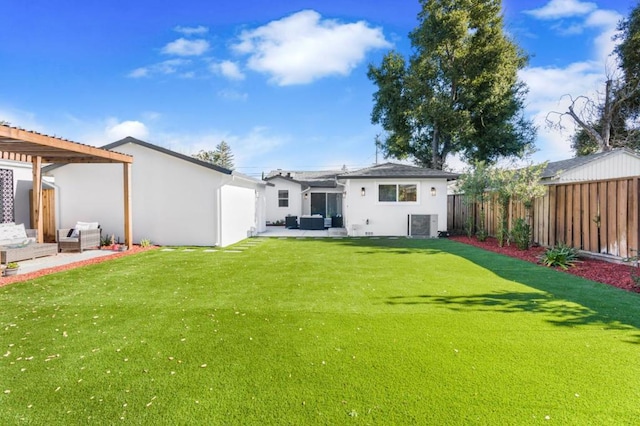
(423,225)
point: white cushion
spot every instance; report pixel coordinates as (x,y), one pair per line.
(83,226)
(12,234)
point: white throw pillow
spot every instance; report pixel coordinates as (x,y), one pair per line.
(83,226)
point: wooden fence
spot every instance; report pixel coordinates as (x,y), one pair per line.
(596,216)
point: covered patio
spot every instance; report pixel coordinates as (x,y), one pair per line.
(38,149)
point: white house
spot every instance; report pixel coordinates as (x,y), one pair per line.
(386,199)
(176,199)
(301,193)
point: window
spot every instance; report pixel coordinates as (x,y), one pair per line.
(398,193)
(283,198)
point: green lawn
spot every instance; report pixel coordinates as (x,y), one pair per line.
(363,331)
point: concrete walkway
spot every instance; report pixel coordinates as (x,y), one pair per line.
(27,266)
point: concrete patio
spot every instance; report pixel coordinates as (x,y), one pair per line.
(282,232)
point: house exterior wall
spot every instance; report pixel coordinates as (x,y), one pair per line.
(619,164)
(390,219)
(174,202)
(274,211)
(237,224)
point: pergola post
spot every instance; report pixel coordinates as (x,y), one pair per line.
(37,217)
(128,216)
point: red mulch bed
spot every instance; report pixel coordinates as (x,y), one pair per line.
(614,274)
(47,271)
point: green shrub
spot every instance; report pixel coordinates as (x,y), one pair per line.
(145,242)
(521,234)
(468,226)
(482,234)
(561,256)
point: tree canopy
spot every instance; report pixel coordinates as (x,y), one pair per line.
(458,92)
(221,156)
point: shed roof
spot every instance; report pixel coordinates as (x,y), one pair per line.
(556,168)
(397,171)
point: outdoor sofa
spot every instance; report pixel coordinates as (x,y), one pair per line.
(18,243)
(84,235)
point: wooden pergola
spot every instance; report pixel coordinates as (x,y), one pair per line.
(38,149)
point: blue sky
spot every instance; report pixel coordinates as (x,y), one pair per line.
(283,82)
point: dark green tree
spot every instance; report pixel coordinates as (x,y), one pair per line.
(459,91)
(221,156)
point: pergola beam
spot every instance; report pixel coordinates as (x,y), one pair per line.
(38,149)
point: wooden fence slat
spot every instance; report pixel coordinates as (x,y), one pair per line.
(602,203)
(634,216)
(552,215)
(612,235)
(560,216)
(594,230)
(576,217)
(586,235)
(623,189)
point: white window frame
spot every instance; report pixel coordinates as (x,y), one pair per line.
(397,185)
(283,198)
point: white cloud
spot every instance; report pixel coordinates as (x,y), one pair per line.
(199,30)
(228,69)
(233,95)
(303,47)
(118,130)
(184,47)
(170,66)
(557,9)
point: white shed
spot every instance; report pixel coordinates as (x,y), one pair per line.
(615,164)
(176,199)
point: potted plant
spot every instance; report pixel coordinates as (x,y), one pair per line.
(11,269)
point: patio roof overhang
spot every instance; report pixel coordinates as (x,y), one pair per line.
(38,149)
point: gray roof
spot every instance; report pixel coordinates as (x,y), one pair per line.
(308,179)
(397,171)
(555,168)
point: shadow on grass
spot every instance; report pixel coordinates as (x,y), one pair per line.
(566,300)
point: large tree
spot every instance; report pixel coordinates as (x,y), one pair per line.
(458,92)
(221,156)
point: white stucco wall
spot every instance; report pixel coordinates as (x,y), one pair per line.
(618,164)
(390,219)
(238,214)
(173,201)
(276,213)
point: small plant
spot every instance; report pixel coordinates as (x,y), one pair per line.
(561,256)
(145,242)
(105,240)
(468,226)
(634,271)
(13,265)
(482,234)
(521,234)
